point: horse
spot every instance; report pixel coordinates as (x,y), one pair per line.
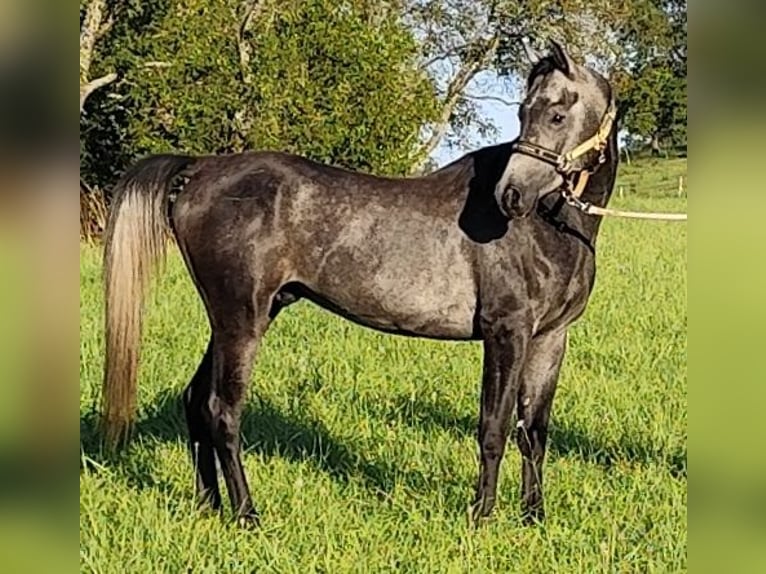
(484,249)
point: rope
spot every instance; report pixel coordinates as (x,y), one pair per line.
(573,198)
(595,210)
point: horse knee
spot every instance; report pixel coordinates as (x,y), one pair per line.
(222,419)
(492,444)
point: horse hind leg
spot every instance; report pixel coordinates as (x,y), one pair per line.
(234,348)
(233,356)
(240,288)
(195,399)
(238,322)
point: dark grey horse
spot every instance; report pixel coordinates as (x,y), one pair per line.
(482,249)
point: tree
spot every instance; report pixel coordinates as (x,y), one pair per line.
(330,80)
(465,42)
(369,84)
(652,79)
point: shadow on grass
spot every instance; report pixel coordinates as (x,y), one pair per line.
(265,429)
(564,440)
(298,437)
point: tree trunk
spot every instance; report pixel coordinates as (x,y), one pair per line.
(94,25)
(655,145)
(465,74)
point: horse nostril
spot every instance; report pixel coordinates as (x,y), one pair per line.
(512,198)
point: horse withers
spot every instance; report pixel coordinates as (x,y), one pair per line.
(482,249)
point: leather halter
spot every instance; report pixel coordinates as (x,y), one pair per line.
(564,163)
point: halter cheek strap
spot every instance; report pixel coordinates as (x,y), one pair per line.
(597,141)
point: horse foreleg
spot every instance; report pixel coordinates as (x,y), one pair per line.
(505,343)
(535,398)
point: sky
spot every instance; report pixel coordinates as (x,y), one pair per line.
(504,116)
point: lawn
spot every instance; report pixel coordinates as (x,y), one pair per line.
(360,447)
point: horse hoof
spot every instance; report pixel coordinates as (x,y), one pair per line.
(480,511)
(533,516)
(249,521)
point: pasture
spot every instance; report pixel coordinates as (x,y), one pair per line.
(360,447)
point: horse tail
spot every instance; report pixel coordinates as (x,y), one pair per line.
(134,247)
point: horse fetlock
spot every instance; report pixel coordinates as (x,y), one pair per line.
(533,510)
(247,516)
(249,521)
(209,499)
(482,507)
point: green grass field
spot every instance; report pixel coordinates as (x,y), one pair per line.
(360,447)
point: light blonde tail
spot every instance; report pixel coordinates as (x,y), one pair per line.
(135,244)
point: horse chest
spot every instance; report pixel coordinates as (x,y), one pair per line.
(567,293)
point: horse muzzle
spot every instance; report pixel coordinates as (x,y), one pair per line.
(514,203)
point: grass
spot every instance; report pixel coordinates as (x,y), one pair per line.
(652,177)
(360,447)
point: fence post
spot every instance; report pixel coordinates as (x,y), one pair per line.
(680,185)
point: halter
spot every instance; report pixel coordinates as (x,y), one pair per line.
(564,163)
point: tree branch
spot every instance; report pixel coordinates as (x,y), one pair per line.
(252,11)
(89,34)
(443,56)
(464,75)
(156,64)
(87,89)
(105,27)
(93,27)
(509,103)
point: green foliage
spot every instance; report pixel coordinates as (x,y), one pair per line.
(367,84)
(322,80)
(651,84)
(347,92)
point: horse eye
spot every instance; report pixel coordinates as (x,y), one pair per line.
(558,119)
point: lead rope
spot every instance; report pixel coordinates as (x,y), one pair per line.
(572,197)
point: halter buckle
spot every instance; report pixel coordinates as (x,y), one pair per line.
(575,202)
(564,165)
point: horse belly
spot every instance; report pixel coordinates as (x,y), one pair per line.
(438,311)
(421,304)
(421,290)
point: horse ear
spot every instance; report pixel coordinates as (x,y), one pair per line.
(562,59)
(530,52)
